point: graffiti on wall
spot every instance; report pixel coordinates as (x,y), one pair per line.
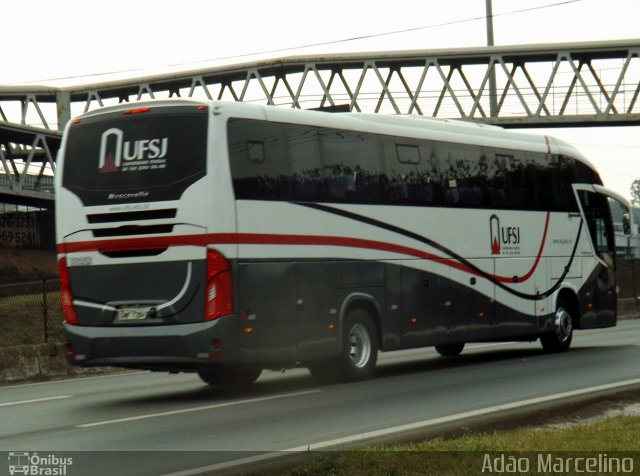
(19,230)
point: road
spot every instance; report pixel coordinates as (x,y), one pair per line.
(146,423)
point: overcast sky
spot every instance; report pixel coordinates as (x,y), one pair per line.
(44,40)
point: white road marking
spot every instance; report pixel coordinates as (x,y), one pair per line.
(194,409)
(464,415)
(385,432)
(35,400)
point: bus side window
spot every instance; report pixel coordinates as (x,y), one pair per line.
(258,159)
(562,176)
(411,175)
(603,244)
(305,162)
(465,175)
(353,166)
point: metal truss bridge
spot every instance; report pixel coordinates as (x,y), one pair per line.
(552,85)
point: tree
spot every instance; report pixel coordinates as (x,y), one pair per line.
(635,193)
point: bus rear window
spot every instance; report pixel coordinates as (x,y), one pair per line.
(152,156)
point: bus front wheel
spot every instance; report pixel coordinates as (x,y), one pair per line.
(560,339)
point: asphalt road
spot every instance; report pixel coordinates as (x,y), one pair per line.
(145,423)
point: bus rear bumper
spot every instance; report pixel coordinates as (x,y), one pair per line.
(180,347)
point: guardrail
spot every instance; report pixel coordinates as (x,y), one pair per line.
(28,182)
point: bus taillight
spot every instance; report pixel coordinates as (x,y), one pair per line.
(66,297)
(219,298)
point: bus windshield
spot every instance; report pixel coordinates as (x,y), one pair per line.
(149,154)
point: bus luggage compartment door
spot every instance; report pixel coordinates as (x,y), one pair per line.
(426,306)
(264,295)
(473,303)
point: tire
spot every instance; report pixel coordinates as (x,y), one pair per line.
(358,352)
(560,339)
(450,350)
(234,375)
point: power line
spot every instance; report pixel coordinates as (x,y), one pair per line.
(394,32)
(328,43)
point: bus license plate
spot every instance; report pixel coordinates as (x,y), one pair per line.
(132,313)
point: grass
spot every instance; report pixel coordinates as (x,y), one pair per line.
(470,453)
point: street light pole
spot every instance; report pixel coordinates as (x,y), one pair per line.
(493,102)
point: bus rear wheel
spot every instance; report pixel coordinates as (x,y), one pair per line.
(560,339)
(230,375)
(358,352)
(450,350)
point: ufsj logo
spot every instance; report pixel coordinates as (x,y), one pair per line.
(119,155)
(504,239)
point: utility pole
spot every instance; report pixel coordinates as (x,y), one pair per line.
(493,101)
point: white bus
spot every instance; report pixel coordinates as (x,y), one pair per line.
(226,238)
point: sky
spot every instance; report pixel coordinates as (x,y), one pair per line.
(82,40)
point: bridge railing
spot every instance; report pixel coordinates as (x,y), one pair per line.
(27,182)
(536,86)
(554,84)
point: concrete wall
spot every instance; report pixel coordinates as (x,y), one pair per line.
(38,362)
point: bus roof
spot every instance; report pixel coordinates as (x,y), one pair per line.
(413,126)
(410,126)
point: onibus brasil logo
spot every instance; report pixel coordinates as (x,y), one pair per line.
(119,155)
(23,462)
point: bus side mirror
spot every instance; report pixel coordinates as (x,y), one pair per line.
(621,211)
(626,223)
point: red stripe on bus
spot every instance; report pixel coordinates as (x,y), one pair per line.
(291,240)
(122,244)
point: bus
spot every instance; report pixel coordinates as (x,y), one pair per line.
(227,238)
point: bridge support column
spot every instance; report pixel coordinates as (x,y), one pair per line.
(63,103)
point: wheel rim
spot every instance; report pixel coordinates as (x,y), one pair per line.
(564,325)
(359,345)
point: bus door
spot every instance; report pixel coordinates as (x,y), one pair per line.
(596,212)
